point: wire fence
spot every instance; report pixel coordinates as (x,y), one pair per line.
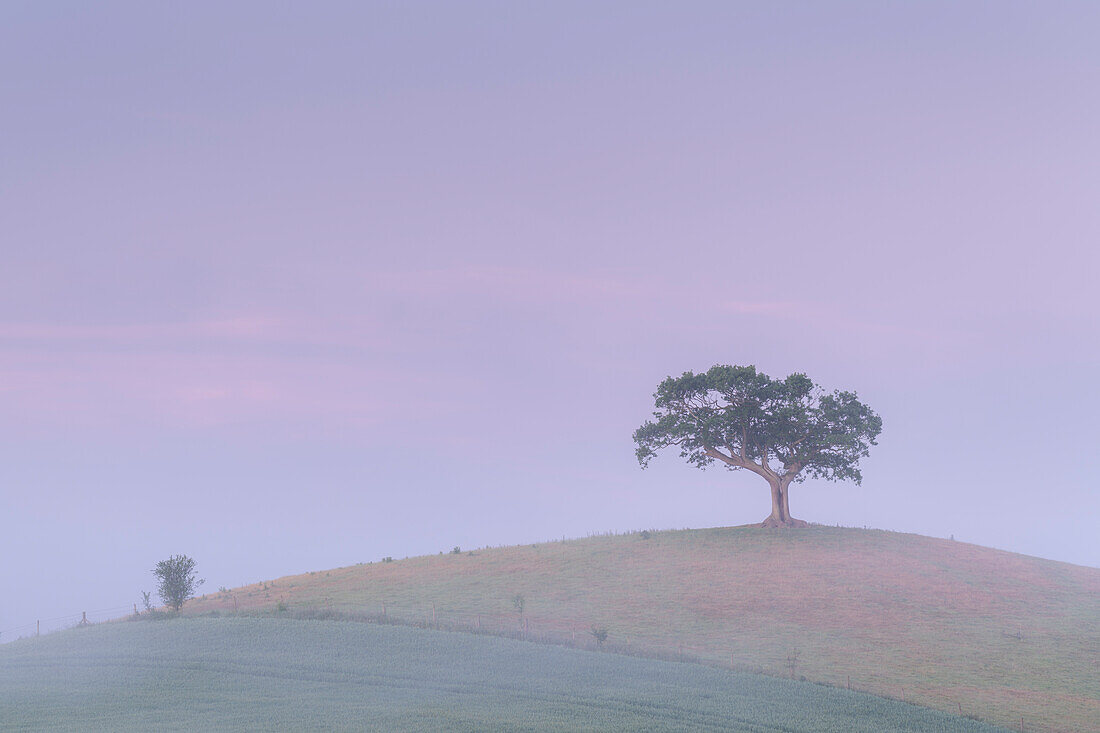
(577,632)
(61,623)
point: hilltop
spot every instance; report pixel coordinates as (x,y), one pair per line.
(1009,638)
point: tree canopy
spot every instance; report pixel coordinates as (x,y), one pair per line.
(176,580)
(785,430)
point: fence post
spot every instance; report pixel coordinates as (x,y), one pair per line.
(383,606)
(479,620)
(433,613)
(38,628)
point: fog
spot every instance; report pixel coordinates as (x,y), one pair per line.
(287,290)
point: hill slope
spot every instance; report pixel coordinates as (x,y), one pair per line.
(282,674)
(1011,638)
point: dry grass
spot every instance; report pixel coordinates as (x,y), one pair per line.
(1012,639)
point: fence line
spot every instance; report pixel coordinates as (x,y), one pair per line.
(60,623)
(578,633)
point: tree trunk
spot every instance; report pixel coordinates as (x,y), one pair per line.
(777,518)
(785,489)
(781,513)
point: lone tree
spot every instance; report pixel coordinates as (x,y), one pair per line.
(176,580)
(784,430)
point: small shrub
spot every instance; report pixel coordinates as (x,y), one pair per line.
(387,558)
(457,550)
(519,603)
(599,633)
(792,661)
(644,534)
(177,580)
(280,607)
(146,600)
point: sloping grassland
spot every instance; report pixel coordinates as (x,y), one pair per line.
(1009,638)
(290,675)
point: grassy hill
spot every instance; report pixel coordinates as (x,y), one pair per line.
(1010,638)
(284,674)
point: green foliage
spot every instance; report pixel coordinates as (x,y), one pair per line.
(599,633)
(176,580)
(285,674)
(457,550)
(519,603)
(752,417)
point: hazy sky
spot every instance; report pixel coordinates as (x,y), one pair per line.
(288,288)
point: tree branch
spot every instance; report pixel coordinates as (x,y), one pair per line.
(731,459)
(791,470)
(768,472)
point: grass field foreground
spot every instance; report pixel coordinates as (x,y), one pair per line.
(282,674)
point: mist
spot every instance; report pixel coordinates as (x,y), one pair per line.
(301,288)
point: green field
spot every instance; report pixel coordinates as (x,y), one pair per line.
(1012,639)
(282,674)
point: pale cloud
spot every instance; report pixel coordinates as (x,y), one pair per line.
(192,387)
(402,344)
(830,317)
(233,327)
(785,309)
(518,283)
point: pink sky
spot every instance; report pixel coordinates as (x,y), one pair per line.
(356,280)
